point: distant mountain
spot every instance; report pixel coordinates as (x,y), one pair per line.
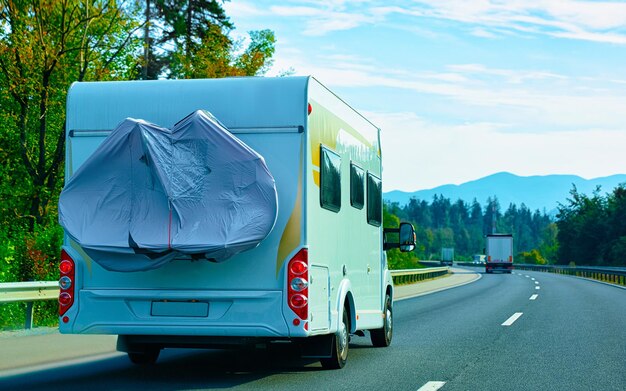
(537,192)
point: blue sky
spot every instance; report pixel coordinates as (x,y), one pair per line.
(465,88)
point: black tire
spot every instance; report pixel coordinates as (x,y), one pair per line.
(381,338)
(340,346)
(147,357)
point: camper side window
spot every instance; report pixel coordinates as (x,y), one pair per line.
(330,180)
(374,200)
(357,182)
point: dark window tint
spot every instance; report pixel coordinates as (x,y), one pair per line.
(330,180)
(374,200)
(357,186)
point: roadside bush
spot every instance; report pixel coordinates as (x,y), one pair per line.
(533,257)
(30,257)
(397,260)
(9,269)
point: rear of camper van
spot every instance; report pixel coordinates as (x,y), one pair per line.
(319,274)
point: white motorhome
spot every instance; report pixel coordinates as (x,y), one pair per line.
(320,274)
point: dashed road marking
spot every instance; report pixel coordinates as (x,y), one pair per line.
(536,282)
(534,297)
(537,287)
(533,279)
(512,319)
(432,386)
(527,276)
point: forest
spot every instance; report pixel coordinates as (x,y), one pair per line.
(587,230)
(462,225)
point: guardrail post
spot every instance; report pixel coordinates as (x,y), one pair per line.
(28,312)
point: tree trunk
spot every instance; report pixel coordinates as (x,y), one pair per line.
(146,43)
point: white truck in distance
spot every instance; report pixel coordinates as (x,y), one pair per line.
(318,276)
(447,256)
(499,252)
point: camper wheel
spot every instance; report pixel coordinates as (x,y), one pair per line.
(382,337)
(340,345)
(147,357)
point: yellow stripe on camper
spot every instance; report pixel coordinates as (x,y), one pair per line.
(290,239)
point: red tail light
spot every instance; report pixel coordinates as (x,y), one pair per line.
(298,284)
(66,282)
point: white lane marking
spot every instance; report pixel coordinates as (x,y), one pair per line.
(537,282)
(534,297)
(527,276)
(533,279)
(512,319)
(432,386)
(537,287)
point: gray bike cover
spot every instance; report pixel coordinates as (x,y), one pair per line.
(148,194)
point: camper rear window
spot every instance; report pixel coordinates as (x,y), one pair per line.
(330,180)
(374,200)
(357,182)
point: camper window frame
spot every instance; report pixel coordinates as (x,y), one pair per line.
(358,187)
(325,201)
(377,208)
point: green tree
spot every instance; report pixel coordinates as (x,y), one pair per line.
(549,246)
(44,47)
(582,228)
(192,39)
(615,248)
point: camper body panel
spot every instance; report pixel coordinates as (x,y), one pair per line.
(341,240)
(246,295)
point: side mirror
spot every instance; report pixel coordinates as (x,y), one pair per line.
(406,238)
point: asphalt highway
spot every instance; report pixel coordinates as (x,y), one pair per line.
(521,331)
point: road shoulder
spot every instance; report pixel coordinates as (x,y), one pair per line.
(458,277)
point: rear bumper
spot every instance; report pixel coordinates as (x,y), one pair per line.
(177,313)
(498,266)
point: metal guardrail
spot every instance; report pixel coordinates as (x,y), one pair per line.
(410,276)
(612,275)
(29,292)
(12,292)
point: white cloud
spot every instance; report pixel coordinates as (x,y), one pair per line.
(419,155)
(479,32)
(511,76)
(599,21)
(584,20)
(528,99)
(296,11)
(240,9)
